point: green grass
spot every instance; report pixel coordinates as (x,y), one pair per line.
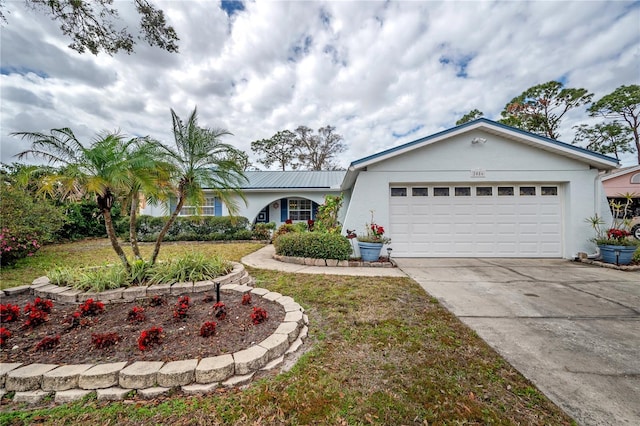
(383,352)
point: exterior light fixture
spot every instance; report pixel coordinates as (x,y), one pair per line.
(389,249)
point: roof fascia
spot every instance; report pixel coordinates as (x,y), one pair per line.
(592,158)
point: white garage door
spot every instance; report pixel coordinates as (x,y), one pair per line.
(465,220)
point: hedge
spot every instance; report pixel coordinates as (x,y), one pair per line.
(195,228)
(318,245)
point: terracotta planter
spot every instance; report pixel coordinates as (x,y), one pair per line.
(369,252)
(625,254)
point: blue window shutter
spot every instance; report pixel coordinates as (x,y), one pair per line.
(217,207)
(172,205)
(314,210)
(284,210)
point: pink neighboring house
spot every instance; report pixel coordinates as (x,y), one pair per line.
(622,181)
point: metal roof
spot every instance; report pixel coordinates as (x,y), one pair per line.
(298,179)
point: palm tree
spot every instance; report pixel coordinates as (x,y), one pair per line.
(149,176)
(103,170)
(202,162)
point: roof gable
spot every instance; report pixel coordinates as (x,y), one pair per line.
(594,159)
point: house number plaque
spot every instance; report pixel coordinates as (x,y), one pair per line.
(477,173)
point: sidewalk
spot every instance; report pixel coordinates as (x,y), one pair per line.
(263,259)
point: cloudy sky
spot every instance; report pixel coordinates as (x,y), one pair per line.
(382,73)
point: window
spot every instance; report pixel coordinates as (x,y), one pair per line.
(440,192)
(549,190)
(206,209)
(462,191)
(635,178)
(505,191)
(398,192)
(484,191)
(299,209)
(419,192)
(527,190)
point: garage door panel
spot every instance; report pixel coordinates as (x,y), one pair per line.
(486,226)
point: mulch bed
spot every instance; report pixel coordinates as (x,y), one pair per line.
(180,337)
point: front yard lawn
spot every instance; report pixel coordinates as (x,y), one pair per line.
(382,352)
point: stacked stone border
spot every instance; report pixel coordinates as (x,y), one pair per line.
(31,383)
(609,265)
(310,261)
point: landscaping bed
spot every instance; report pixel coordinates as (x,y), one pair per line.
(180,338)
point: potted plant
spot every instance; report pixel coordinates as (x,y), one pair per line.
(372,241)
(615,242)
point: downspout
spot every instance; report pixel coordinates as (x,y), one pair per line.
(596,207)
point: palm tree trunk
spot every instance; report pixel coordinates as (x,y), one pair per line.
(165,229)
(108,222)
(133,214)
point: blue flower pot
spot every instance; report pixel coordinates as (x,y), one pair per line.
(608,254)
(369,252)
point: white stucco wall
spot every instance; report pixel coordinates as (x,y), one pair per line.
(256,201)
(503,160)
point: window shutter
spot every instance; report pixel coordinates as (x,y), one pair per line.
(314,210)
(217,207)
(284,210)
(173,203)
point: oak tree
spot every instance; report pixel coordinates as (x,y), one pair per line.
(95,25)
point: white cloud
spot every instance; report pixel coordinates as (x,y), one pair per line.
(383,73)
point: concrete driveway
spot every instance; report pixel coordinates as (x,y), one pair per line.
(572,329)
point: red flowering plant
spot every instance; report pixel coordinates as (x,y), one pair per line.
(4,336)
(105,340)
(48,343)
(374,233)
(152,336)
(37,312)
(246,299)
(208,329)
(259,315)
(220,311)
(136,314)
(157,301)
(9,312)
(91,308)
(180,311)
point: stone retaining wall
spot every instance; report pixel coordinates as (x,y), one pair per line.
(116,381)
(42,287)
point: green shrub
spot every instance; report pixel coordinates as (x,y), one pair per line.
(85,220)
(262,231)
(313,244)
(27,223)
(285,228)
(194,228)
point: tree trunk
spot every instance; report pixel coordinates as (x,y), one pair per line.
(108,223)
(133,214)
(165,229)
